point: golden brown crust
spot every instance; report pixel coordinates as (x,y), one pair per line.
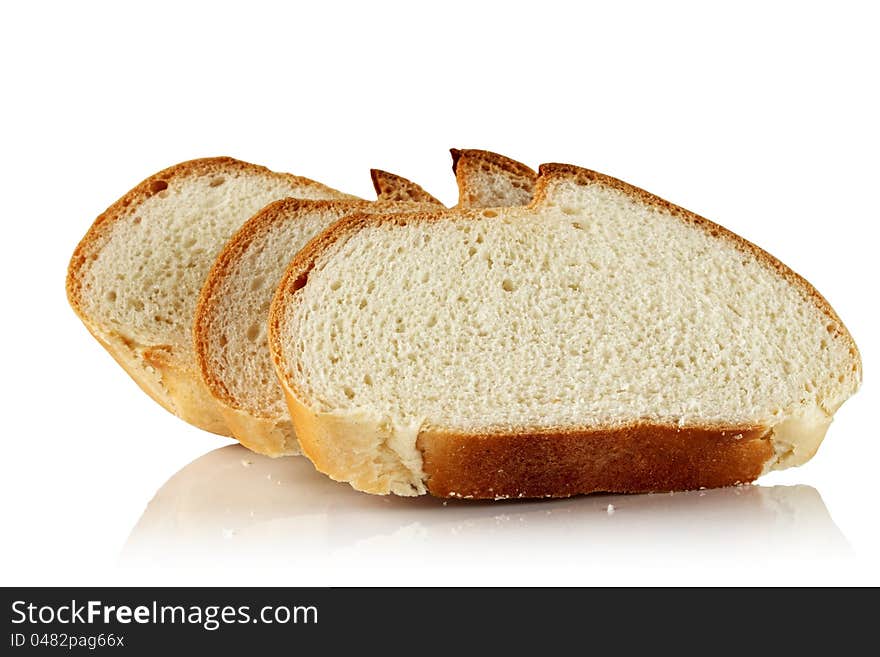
(640,458)
(155,368)
(559,461)
(477,157)
(391,187)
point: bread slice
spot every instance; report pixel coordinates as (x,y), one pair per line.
(600,339)
(135,277)
(391,187)
(487,179)
(230,325)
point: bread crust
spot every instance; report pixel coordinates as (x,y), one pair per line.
(170,381)
(637,458)
(464,156)
(559,461)
(391,187)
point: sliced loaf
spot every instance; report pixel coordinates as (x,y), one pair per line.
(135,277)
(600,339)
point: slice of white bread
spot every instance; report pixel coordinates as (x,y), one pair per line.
(600,339)
(230,323)
(136,275)
(487,179)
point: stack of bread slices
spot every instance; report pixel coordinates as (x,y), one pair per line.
(554,333)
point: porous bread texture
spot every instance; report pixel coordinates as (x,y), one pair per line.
(522,338)
(487,179)
(135,277)
(230,325)
(391,187)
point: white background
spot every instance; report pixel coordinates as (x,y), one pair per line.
(762,116)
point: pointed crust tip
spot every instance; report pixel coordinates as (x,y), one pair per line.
(456,156)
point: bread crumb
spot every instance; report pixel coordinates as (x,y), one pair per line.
(610,509)
(247,463)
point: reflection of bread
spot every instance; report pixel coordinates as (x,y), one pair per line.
(231,498)
(488,179)
(230,325)
(135,276)
(600,339)
(231,504)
